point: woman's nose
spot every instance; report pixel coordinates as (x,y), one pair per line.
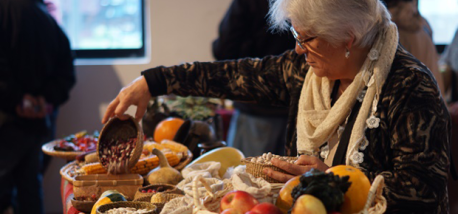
(299,50)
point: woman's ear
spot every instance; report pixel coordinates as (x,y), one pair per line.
(349,43)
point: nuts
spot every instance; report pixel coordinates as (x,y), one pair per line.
(129,210)
(267,157)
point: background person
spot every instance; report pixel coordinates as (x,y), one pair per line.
(416,35)
(357,98)
(244,32)
(36,75)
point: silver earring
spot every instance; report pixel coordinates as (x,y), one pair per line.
(347,53)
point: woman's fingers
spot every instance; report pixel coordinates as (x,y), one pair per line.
(110,110)
(141,109)
(288,167)
(136,93)
(279,176)
(311,162)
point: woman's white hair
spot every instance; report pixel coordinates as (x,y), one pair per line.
(336,21)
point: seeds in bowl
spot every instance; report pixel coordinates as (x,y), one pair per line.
(115,154)
(267,157)
(127,210)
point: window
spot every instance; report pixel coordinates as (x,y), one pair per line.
(442,15)
(103,28)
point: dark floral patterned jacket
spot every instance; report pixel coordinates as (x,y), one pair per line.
(410,148)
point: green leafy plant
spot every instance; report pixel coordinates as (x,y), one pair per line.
(195,108)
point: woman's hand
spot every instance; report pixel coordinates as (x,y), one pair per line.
(136,93)
(302,165)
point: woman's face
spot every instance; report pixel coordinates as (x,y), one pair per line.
(326,60)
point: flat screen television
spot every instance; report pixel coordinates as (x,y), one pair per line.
(102,28)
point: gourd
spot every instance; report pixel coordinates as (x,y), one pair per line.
(107,197)
(227,156)
(164,173)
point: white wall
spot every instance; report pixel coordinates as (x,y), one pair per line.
(181,31)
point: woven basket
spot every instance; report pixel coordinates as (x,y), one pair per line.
(159,206)
(116,128)
(167,188)
(83,206)
(48,149)
(137,205)
(164,197)
(256,169)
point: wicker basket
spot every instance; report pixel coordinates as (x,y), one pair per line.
(256,169)
(83,206)
(159,206)
(167,188)
(116,128)
(127,184)
(48,149)
(136,205)
(164,197)
(148,199)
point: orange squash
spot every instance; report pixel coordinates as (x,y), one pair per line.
(356,196)
(284,199)
(167,129)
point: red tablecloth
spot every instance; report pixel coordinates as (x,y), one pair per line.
(66,191)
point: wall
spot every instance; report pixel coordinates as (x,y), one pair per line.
(181,31)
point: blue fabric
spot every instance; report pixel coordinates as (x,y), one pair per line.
(255,135)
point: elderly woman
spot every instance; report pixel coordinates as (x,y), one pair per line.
(355,96)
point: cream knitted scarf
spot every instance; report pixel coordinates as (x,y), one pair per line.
(317,121)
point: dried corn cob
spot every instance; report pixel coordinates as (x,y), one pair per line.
(94,168)
(143,166)
(174,146)
(148,145)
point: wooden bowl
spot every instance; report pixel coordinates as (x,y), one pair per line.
(117,129)
(83,206)
(137,205)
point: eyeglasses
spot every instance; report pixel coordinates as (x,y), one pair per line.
(300,42)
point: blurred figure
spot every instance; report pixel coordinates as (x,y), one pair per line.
(450,60)
(244,32)
(36,75)
(415,34)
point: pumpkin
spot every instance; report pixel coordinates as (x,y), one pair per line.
(284,199)
(167,129)
(356,196)
(107,197)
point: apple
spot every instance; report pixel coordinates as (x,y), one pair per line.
(265,208)
(230,211)
(308,204)
(238,200)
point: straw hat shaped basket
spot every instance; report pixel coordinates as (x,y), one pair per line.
(121,130)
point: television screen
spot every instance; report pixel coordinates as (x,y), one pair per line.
(102,28)
(442,15)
